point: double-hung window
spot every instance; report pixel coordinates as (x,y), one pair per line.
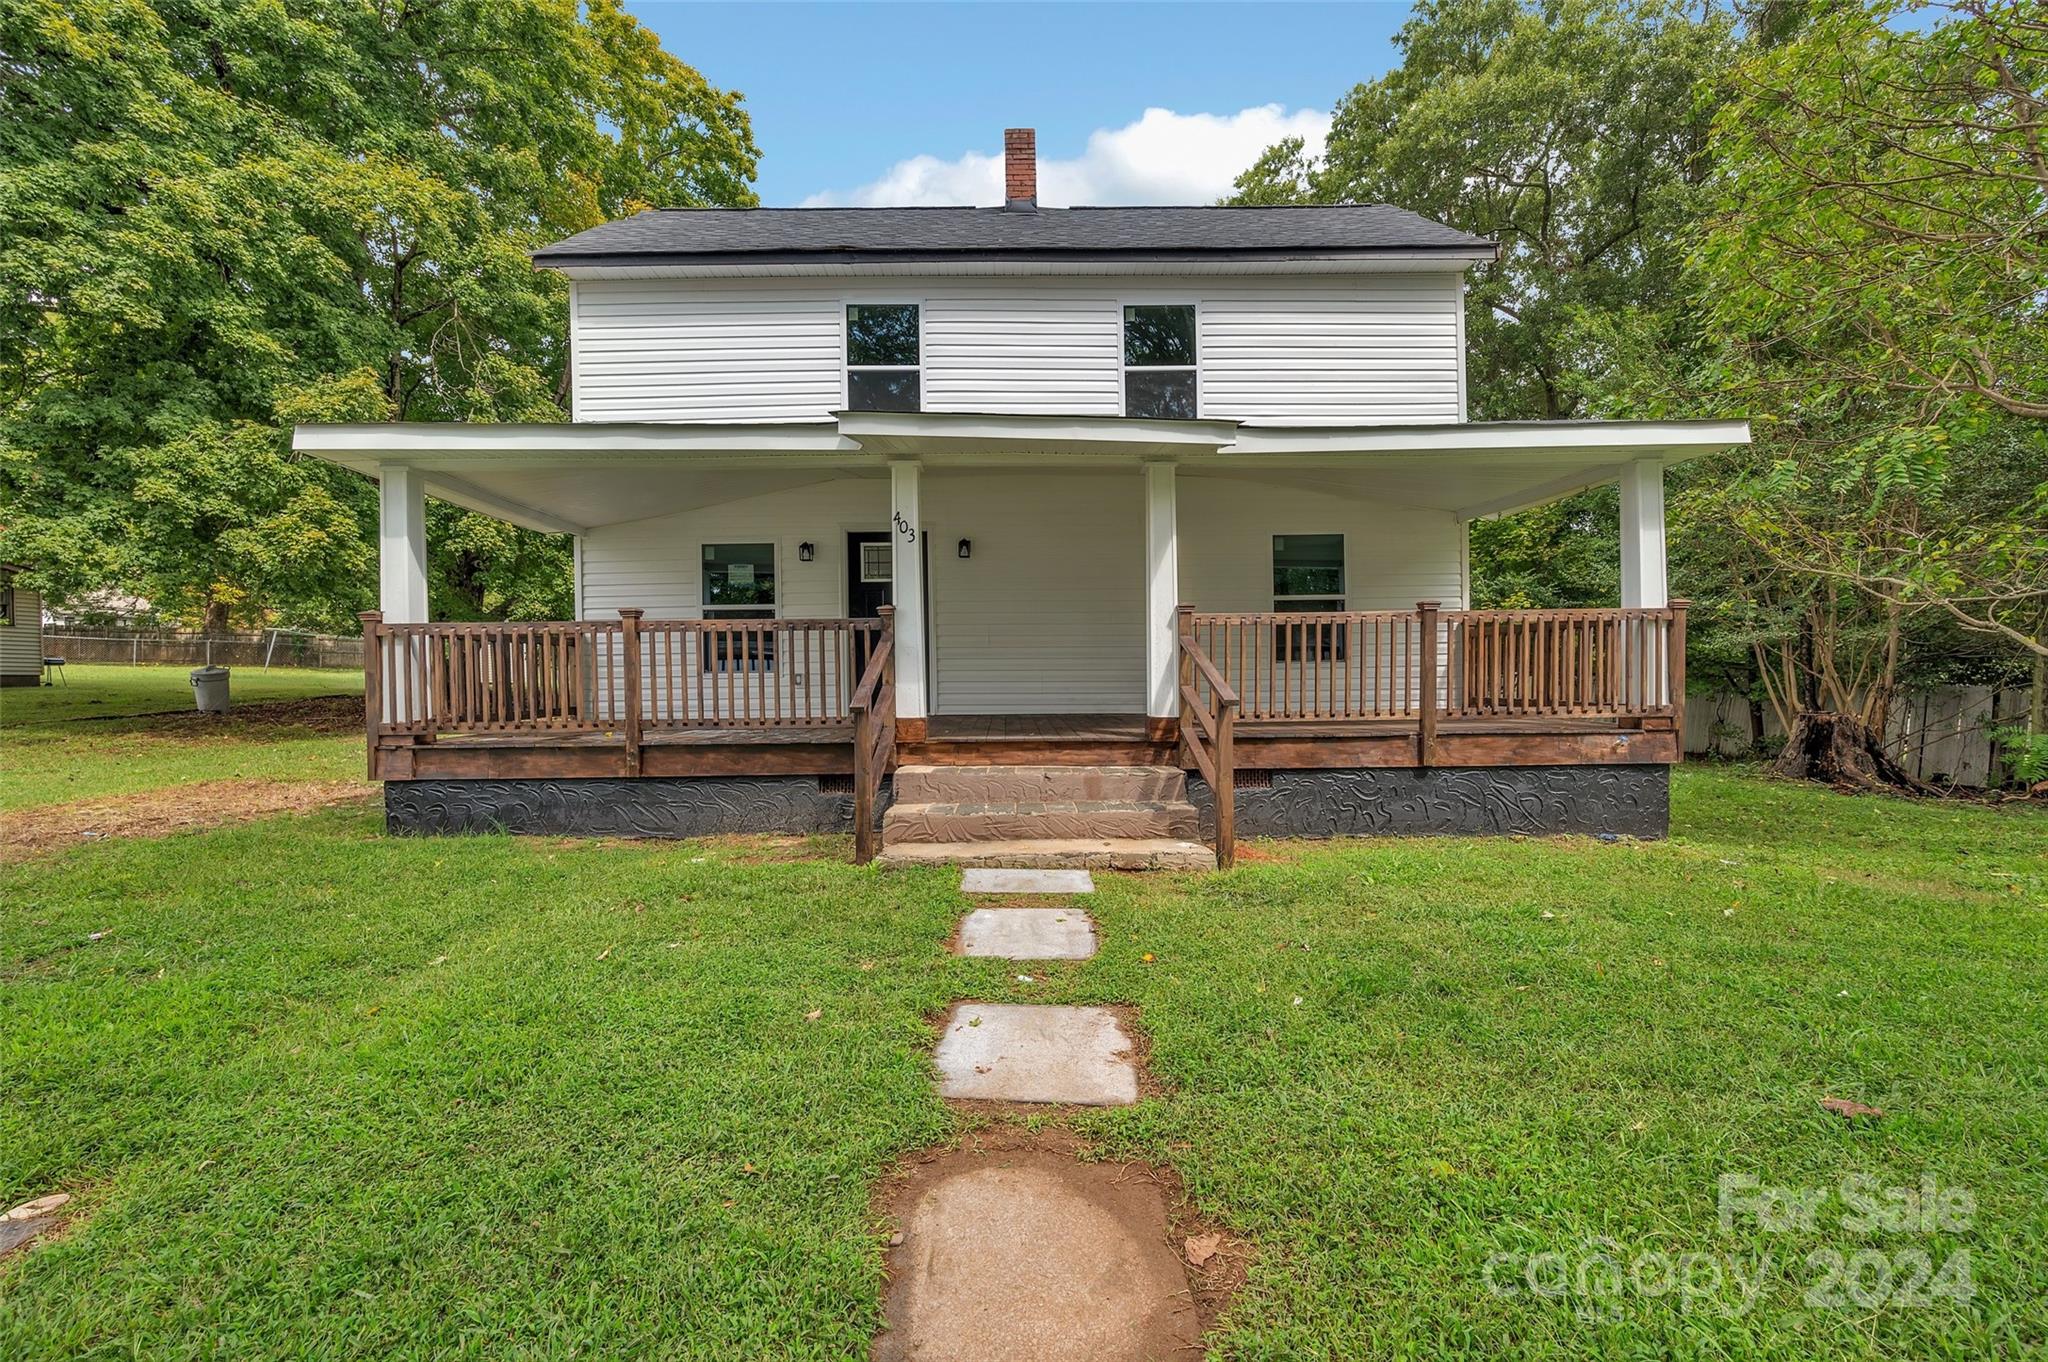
(882,364)
(739,584)
(1308,577)
(1159,360)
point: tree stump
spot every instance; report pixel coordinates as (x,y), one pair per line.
(1842,750)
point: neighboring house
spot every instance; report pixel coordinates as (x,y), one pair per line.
(21,630)
(1035,435)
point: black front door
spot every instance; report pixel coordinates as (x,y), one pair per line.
(870,584)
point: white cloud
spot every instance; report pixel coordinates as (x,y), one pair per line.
(1164,157)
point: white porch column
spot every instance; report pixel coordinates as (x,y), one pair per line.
(1162,592)
(906,530)
(1642,536)
(401,545)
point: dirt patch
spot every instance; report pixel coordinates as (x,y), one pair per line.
(315,714)
(34,1222)
(28,833)
(1014,1243)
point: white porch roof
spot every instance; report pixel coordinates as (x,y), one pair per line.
(575,476)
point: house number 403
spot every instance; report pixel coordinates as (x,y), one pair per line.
(906,529)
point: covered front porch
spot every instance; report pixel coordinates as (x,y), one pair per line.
(828,601)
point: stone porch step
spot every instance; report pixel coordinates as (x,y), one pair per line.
(1029,820)
(1148,853)
(1039,784)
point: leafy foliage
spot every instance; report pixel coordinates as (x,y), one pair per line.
(1882,228)
(224,218)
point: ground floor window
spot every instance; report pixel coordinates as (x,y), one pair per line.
(1308,578)
(739,584)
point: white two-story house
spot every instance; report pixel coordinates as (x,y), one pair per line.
(861,495)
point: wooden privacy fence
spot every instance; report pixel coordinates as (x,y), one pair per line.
(1418,664)
(598,675)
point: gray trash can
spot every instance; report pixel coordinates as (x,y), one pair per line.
(210,690)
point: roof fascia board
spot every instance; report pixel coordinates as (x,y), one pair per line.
(765,265)
(1670,441)
(391,438)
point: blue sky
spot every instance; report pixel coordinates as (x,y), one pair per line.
(846,97)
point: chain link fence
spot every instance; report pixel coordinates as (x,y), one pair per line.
(145,647)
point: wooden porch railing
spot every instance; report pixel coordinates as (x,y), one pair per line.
(1208,722)
(874,737)
(1419,666)
(628,677)
(1428,662)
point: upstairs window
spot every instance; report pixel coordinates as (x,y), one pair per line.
(882,361)
(1308,578)
(1159,361)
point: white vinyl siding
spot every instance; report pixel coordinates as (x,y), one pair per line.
(21,643)
(647,351)
(1375,350)
(1019,352)
(657,564)
(1323,349)
(1394,556)
(1048,615)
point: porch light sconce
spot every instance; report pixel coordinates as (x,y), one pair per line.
(806,552)
(966,548)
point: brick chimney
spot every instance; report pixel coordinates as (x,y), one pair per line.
(1020,168)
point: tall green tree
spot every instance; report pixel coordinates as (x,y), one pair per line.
(226,217)
(1873,274)
(1570,132)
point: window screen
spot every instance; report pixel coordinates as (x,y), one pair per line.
(1159,361)
(882,357)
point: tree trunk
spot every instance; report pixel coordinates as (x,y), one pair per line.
(1842,750)
(2037,700)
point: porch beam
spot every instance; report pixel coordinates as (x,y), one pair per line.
(906,535)
(401,545)
(1162,591)
(1642,536)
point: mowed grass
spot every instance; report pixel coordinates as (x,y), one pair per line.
(322,1092)
(94,691)
(127,730)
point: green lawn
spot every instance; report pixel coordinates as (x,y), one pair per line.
(327,1093)
(127,730)
(97,692)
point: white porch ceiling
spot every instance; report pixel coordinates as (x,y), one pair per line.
(571,477)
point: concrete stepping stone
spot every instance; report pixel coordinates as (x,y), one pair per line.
(1037,1258)
(1028,933)
(1074,1055)
(985,881)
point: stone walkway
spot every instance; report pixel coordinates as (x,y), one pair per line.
(1023,1252)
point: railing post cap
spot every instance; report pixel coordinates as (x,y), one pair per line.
(630,612)
(1680,603)
(1429,605)
(885,610)
(371,616)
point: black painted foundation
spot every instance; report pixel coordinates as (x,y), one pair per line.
(1632,801)
(681,806)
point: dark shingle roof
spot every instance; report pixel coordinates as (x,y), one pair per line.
(763,235)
